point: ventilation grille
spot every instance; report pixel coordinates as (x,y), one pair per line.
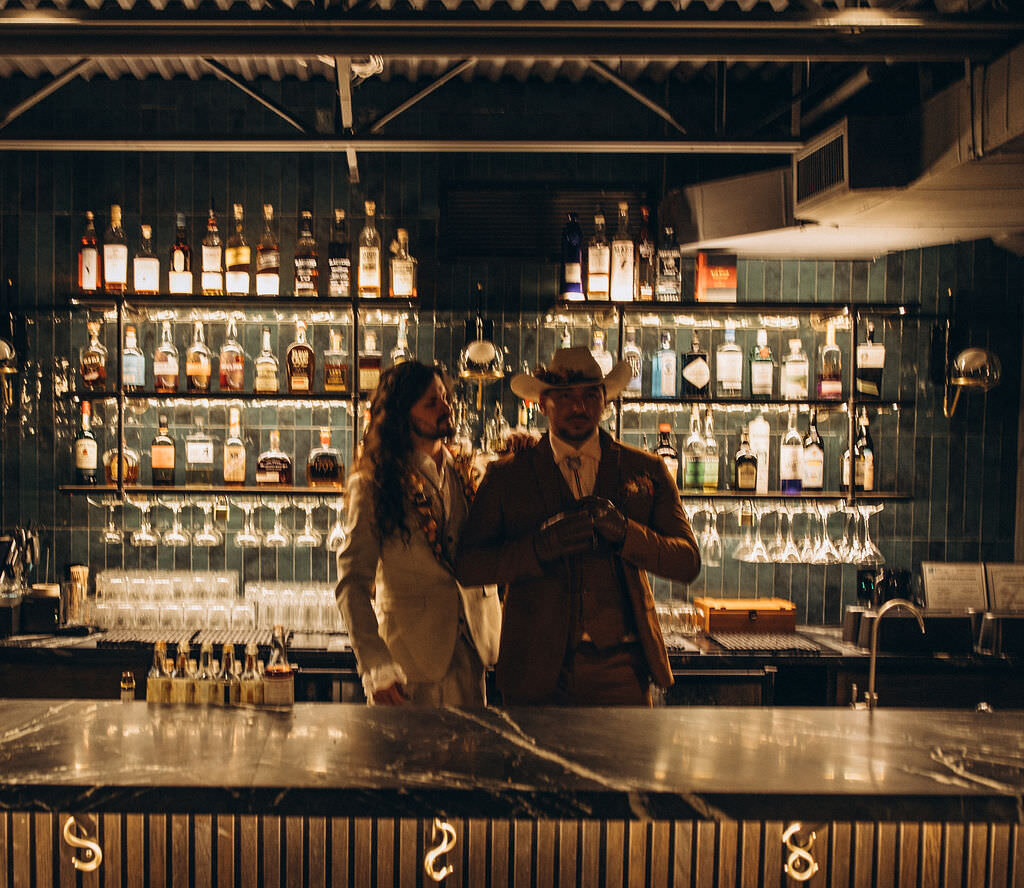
(822,169)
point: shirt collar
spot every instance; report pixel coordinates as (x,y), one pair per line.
(426,466)
(591,448)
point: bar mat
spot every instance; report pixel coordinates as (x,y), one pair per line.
(132,638)
(239,638)
(774,642)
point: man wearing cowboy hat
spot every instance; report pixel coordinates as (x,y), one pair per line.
(570,527)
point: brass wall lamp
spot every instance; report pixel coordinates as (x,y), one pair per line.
(973,369)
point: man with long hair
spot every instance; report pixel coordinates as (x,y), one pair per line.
(418,635)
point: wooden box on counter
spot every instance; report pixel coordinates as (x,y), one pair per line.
(746,614)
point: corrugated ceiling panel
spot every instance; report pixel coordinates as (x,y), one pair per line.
(516,5)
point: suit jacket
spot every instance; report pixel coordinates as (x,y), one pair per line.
(416,598)
(516,496)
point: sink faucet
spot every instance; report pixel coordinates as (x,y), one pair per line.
(871,697)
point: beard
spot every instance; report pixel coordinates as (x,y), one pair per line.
(439,431)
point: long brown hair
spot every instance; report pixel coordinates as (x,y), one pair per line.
(388,443)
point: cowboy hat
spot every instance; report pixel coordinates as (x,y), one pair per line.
(569,367)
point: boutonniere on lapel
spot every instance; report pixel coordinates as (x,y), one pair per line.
(423,508)
(469,476)
(641,485)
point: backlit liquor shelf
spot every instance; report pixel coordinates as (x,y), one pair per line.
(341,398)
(741,308)
(235,303)
(199,491)
(778,495)
(819,403)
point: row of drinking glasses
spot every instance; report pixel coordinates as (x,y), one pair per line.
(166,586)
(249,537)
(816,544)
(304,607)
(193,613)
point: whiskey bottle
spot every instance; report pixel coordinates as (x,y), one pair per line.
(198,361)
(163,455)
(179,271)
(795,371)
(746,465)
(115,254)
(251,680)
(709,471)
(274,466)
(93,360)
(158,681)
(88,258)
(830,368)
(268,257)
(369,364)
(403,269)
(335,364)
(791,452)
(237,257)
(693,453)
(299,362)
(86,449)
(598,262)
(145,266)
(206,677)
(127,467)
(307,273)
(133,363)
(232,361)
(632,354)
(667,451)
(729,366)
(762,367)
(401,352)
(369,256)
(183,685)
(663,369)
(668,284)
(813,464)
(696,372)
(645,264)
(863,457)
(234,451)
(339,260)
(623,260)
(265,382)
(165,362)
(325,468)
(870,364)
(212,277)
(229,685)
(199,456)
(572,260)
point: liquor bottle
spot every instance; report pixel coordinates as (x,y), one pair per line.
(791,452)
(251,681)
(870,363)
(369,364)
(86,449)
(179,269)
(403,268)
(339,260)
(795,371)
(668,286)
(265,382)
(234,451)
(158,682)
(623,260)
(232,361)
(274,466)
(206,677)
(645,261)
(663,369)
(863,456)
(572,260)
(401,352)
(632,354)
(335,364)
(165,362)
(729,366)
(696,372)
(814,456)
(693,454)
(307,270)
(183,686)
(145,265)
(268,257)
(198,361)
(88,257)
(709,475)
(299,362)
(667,451)
(830,368)
(760,436)
(163,455)
(324,467)
(133,363)
(598,262)
(762,367)
(746,465)
(93,360)
(115,254)
(603,357)
(369,256)
(198,455)
(212,276)
(229,685)
(127,467)
(237,257)
(566,339)
(278,659)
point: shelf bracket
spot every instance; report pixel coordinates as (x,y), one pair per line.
(224,74)
(343,79)
(422,94)
(65,77)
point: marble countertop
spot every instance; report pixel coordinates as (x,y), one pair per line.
(534,763)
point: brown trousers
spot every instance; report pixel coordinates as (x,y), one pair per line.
(617,676)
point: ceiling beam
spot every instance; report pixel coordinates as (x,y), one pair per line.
(609,75)
(844,35)
(343,80)
(65,77)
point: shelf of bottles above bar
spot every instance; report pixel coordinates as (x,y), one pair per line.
(200,491)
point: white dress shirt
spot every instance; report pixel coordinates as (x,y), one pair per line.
(582,476)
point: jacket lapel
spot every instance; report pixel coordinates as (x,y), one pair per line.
(607,484)
(553,490)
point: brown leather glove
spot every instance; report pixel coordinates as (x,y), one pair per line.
(609,522)
(567,533)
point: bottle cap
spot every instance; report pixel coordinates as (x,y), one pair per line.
(180,220)
(147,232)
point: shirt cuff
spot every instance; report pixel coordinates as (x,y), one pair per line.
(381,677)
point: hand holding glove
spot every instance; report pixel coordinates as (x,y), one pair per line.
(609,522)
(567,533)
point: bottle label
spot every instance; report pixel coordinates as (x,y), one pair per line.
(305,276)
(268,260)
(232,371)
(93,368)
(162,456)
(165,369)
(789,462)
(673,466)
(813,468)
(266,379)
(234,464)
(795,380)
(340,268)
(268,283)
(598,260)
(336,377)
(147,275)
(746,475)
(697,373)
(401,278)
(871,355)
(573,272)
(664,382)
(180,282)
(88,268)
(197,365)
(299,381)
(622,271)
(86,452)
(830,389)
(369,268)
(212,282)
(115,263)
(368,378)
(709,473)
(237,283)
(636,368)
(238,258)
(178,260)
(730,371)
(864,473)
(211,259)
(761,377)
(694,477)
(134,369)
(199,452)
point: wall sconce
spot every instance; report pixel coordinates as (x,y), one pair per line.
(8,369)
(974,369)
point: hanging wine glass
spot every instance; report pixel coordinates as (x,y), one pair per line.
(337,536)
(278,537)
(175,536)
(758,552)
(144,536)
(208,535)
(778,544)
(110,534)
(871,554)
(710,541)
(247,537)
(309,537)
(826,552)
(789,554)
(808,547)
(745,544)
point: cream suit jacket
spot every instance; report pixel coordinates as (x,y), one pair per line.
(401,605)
